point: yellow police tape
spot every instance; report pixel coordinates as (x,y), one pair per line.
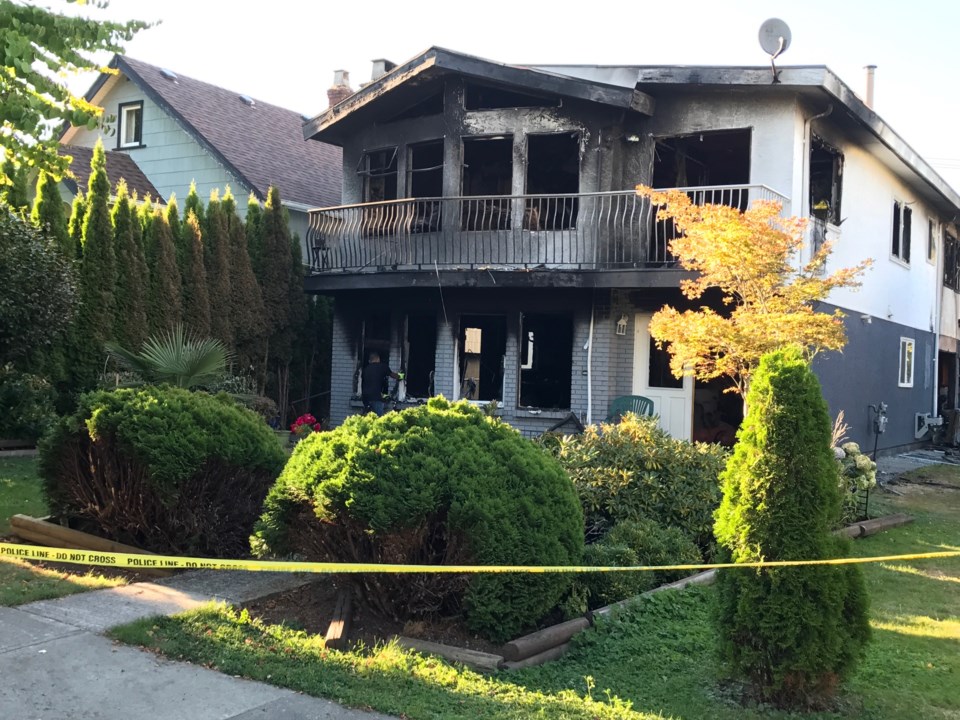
(138,561)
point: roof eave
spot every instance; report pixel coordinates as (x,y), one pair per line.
(530,78)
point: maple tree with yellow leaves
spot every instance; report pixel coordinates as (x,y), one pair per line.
(750,257)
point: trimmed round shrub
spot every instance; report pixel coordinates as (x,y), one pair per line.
(793,633)
(633,470)
(162,468)
(435,484)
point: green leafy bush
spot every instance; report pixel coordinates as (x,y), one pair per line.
(162,468)
(793,633)
(631,542)
(437,484)
(634,470)
(27,402)
(858,474)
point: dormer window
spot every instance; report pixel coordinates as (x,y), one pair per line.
(130,131)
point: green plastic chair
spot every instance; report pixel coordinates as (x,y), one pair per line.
(629,403)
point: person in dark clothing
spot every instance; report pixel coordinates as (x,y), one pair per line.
(372,382)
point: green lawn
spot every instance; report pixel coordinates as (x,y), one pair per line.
(655,660)
(22,582)
(19,490)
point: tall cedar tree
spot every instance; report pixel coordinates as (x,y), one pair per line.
(794,633)
(15,194)
(146,214)
(48,214)
(216,246)
(131,321)
(194,204)
(98,278)
(254,230)
(246,308)
(75,226)
(277,261)
(176,229)
(165,293)
(196,302)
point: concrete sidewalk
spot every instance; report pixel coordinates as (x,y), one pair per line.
(55,663)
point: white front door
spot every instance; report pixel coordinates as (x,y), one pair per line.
(672,398)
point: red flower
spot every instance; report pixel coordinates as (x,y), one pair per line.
(316,426)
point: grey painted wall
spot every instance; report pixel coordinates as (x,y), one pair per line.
(867,373)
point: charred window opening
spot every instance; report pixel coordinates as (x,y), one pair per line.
(487,97)
(546,361)
(425,180)
(553,168)
(483,343)
(826,180)
(432,105)
(374,338)
(420,351)
(660,375)
(707,158)
(379,171)
(716,414)
(487,171)
(951,262)
(902,227)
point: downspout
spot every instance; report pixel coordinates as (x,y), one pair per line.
(589,349)
(937,311)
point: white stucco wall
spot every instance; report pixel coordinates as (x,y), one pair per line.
(893,290)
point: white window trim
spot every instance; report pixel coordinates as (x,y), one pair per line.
(906,382)
(899,258)
(131,109)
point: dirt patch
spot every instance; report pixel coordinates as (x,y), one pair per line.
(310,608)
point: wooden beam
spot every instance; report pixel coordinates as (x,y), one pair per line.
(52,535)
(484,662)
(538,642)
(339,630)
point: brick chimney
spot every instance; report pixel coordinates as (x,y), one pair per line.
(341,89)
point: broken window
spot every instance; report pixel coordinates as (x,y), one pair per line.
(420,348)
(425,180)
(546,361)
(482,346)
(553,168)
(706,158)
(826,180)
(379,171)
(487,171)
(487,97)
(902,226)
(374,337)
(660,375)
(431,105)
(951,262)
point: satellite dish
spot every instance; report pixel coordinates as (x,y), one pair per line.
(774,37)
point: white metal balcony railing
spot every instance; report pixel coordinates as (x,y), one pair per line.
(587,231)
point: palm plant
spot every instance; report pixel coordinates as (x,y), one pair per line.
(175,357)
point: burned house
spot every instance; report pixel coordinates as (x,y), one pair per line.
(492,246)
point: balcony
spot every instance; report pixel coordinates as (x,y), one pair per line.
(586,231)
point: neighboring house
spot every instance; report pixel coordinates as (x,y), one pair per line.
(179,130)
(494,249)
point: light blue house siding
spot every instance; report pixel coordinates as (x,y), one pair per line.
(170,157)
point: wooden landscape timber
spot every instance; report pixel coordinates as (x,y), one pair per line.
(50,534)
(484,662)
(339,629)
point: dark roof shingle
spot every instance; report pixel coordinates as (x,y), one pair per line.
(263,144)
(119,166)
